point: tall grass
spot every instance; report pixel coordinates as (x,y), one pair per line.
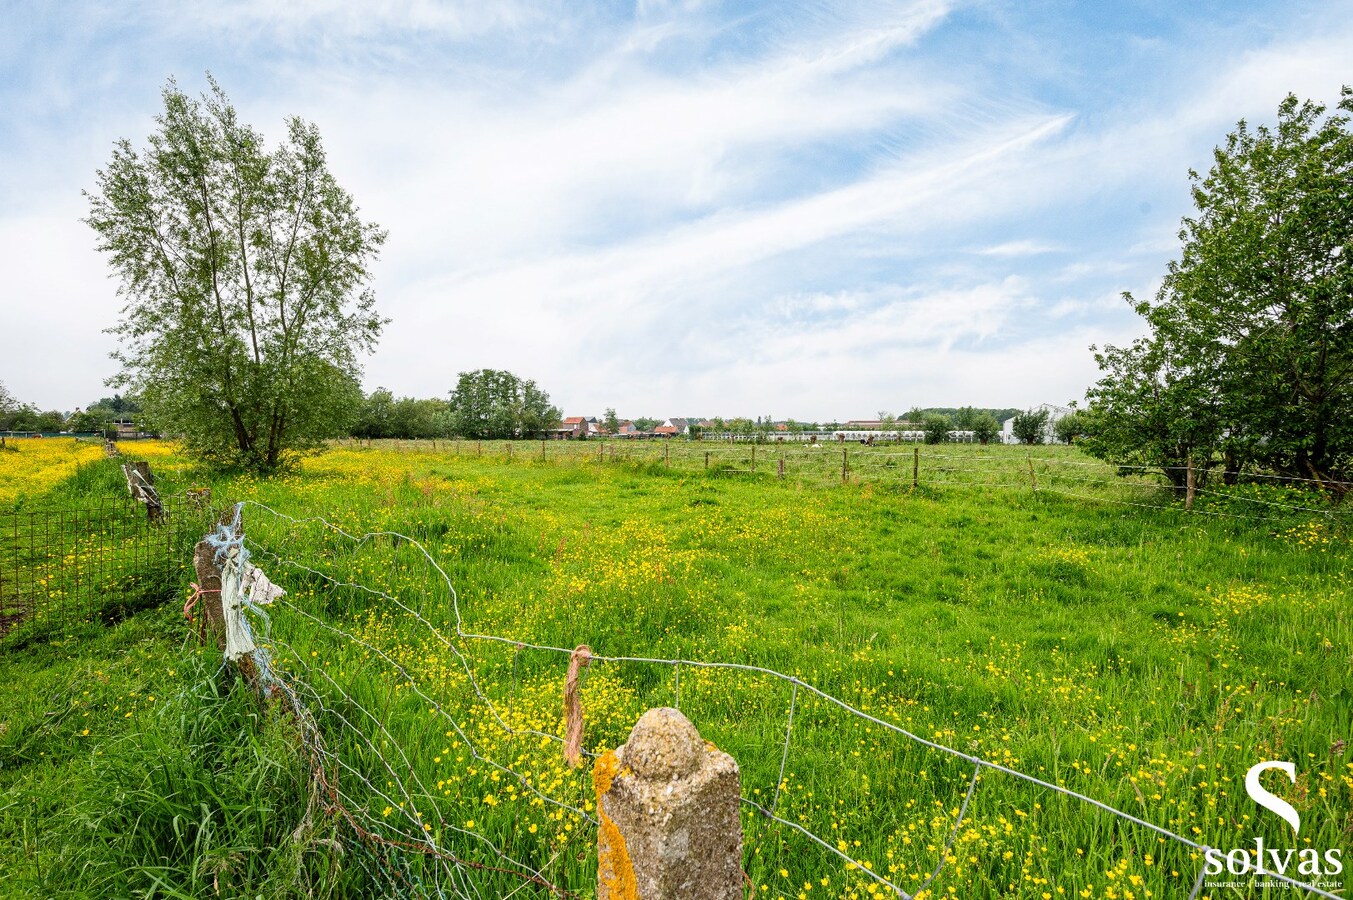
(1133,653)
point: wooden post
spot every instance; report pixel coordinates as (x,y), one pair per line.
(915,467)
(1190,485)
(141,485)
(667,454)
(706,459)
(782,468)
(753,459)
(542,451)
(209,592)
(479,448)
(508,444)
(1033,481)
(845,470)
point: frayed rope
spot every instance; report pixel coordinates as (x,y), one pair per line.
(573,708)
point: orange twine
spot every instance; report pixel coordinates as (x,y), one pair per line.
(573,709)
(192,601)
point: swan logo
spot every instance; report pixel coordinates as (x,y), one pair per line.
(1273,804)
(1261,860)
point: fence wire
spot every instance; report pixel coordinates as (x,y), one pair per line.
(389,846)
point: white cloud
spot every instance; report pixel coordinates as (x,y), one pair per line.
(1011,249)
(689,210)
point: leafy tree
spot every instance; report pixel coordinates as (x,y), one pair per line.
(244,277)
(1071,427)
(965,418)
(493,403)
(119,405)
(985,428)
(10,408)
(612,422)
(1030,426)
(373,418)
(936,428)
(419,419)
(1249,359)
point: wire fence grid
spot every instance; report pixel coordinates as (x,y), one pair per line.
(100,560)
(361,765)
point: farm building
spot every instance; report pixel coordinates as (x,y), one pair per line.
(571,427)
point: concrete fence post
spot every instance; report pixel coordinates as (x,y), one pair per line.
(668,802)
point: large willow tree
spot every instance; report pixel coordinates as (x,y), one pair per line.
(244,274)
(1249,359)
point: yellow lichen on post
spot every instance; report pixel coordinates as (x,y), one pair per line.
(615,872)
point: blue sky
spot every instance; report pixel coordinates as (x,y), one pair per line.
(809,210)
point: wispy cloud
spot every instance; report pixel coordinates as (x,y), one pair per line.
(825,209)
(1011,249)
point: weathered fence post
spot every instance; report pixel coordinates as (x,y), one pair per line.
(845,465)
(1033,481)
(667,454)
(1190,485)
(141,484)
(209,591)
(706,459)
(781,468)
(915,467)
(668,809)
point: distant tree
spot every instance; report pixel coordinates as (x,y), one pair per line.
(244,278)
(494,403)
(10,408)
(985,428)
(92,419)
(1030,426)
(965,418)
(915,416)
(374,415)
(119,404)
(418,419)
(644,423)
(28,418)
(936,428)
(1072,427)
(612,421)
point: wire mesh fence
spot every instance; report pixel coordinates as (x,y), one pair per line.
(102,559)
(420,715)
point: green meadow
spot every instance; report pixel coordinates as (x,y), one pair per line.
(1039,612)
